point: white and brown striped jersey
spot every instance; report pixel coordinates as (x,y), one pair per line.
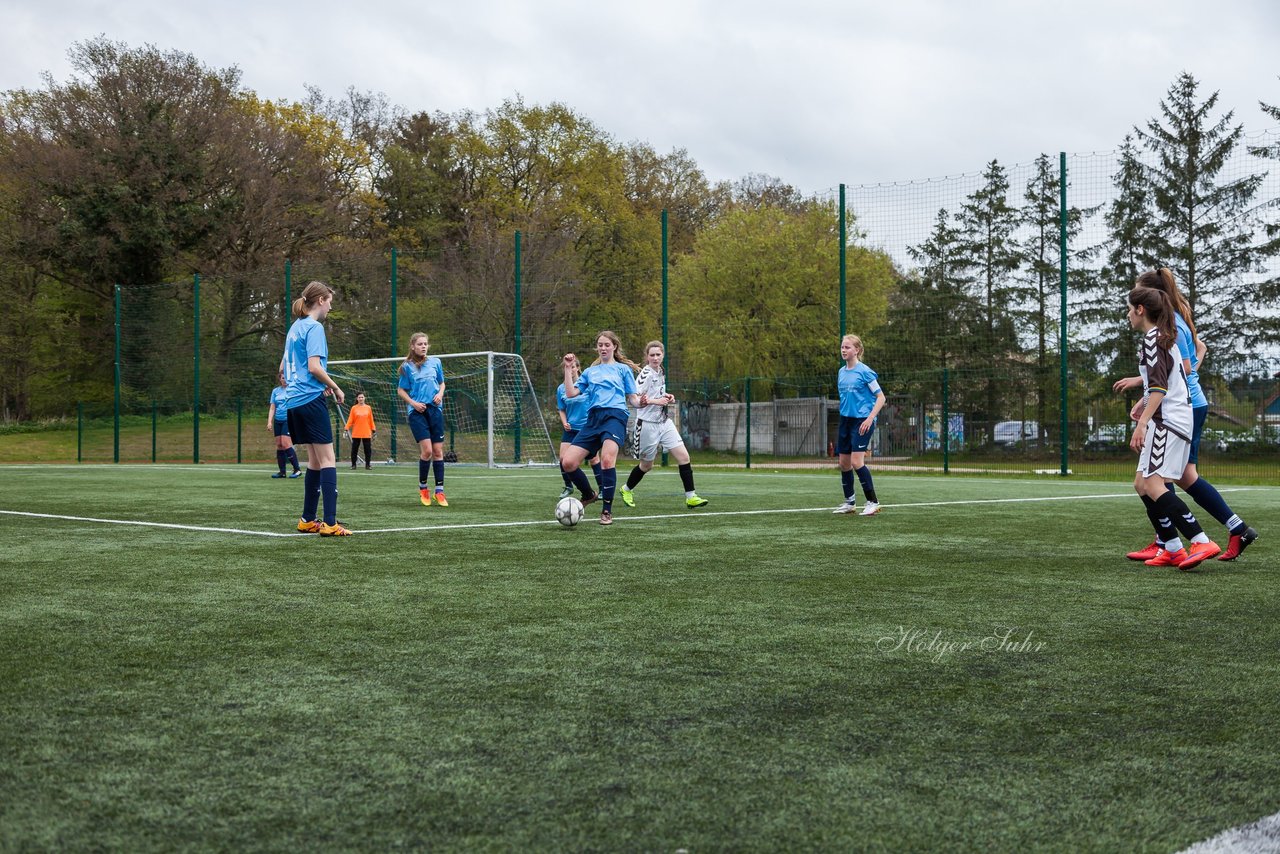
(1161,370)
(653,384)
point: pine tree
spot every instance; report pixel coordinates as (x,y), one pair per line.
(1205,221)
(987,223)
(1040,299)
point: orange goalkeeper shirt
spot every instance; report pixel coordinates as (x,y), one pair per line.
(360,421)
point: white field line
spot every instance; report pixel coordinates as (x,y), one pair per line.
(688,514)
(1257,837)
(138,523)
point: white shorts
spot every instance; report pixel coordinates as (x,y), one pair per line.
(654,435)
(1164,453)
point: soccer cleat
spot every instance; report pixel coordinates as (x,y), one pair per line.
(588,497)
(1238,543)
(296,473)
(606,518)
(278,474)
(440,499)
(695,501)
(425,495)
(1198,554)
(628,498)
(871,509)
(566,492)
(1167,558)
(312,527)
(850,506)
(334,530)
(1145,554)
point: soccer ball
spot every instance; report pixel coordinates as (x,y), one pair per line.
(569,511)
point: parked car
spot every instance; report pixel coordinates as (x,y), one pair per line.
(1010,433)
(1108,437)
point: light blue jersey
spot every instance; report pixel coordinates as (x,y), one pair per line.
(306,339)
(1187,348)
(574,408)
(280,397)
(858,388)
(606,386)
(422,382)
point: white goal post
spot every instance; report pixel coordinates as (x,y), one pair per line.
(491,412)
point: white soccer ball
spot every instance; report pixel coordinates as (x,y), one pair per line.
(569,511)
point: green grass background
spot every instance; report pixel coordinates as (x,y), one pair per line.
(704,682)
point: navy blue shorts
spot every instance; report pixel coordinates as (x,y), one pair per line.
(281,425)
(1198,415)
(602,425)
(309,423)
(850,441)
(567,436)
(427,425)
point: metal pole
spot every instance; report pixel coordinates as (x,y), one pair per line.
(239,414)
(116,453)
(1062,274)
(154,423)
(748,422)
(195,410)
(843,241)
(490,408)
(665,357)
(288,295)
(518,343)
(79,432)
(395,400)
(946,422)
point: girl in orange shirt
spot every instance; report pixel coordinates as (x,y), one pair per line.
(360,428)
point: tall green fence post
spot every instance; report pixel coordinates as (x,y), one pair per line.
(115,457)
(664,308)
(519,343)
(79,432)
(195,409)
(239,416)
(843,270)
(946,422)
(395,401)
(1062,278)
(288,295)
(155,419)
(748,422)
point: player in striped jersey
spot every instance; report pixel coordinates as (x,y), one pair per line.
(1192,350)
(654,429)
(1162,436)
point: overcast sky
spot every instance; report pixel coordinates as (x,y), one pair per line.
(813,93)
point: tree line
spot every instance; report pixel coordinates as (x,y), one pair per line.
(148,167)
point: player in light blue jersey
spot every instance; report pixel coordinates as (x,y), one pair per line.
(609,385)
(307,383)
(421,387)
(861,400)
(573,417)
(1192,350)
(278,424)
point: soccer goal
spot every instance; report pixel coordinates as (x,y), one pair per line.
(491,412)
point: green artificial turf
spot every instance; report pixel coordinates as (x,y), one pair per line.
(971,669)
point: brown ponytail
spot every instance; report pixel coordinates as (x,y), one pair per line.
(312,293)
(1161,279)
(1159,310)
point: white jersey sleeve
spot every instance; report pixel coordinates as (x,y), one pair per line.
(652,384)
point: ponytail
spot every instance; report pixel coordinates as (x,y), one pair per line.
(1161,279)
(311,294)
(1159,310)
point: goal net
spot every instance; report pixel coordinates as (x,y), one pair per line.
(491,413)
